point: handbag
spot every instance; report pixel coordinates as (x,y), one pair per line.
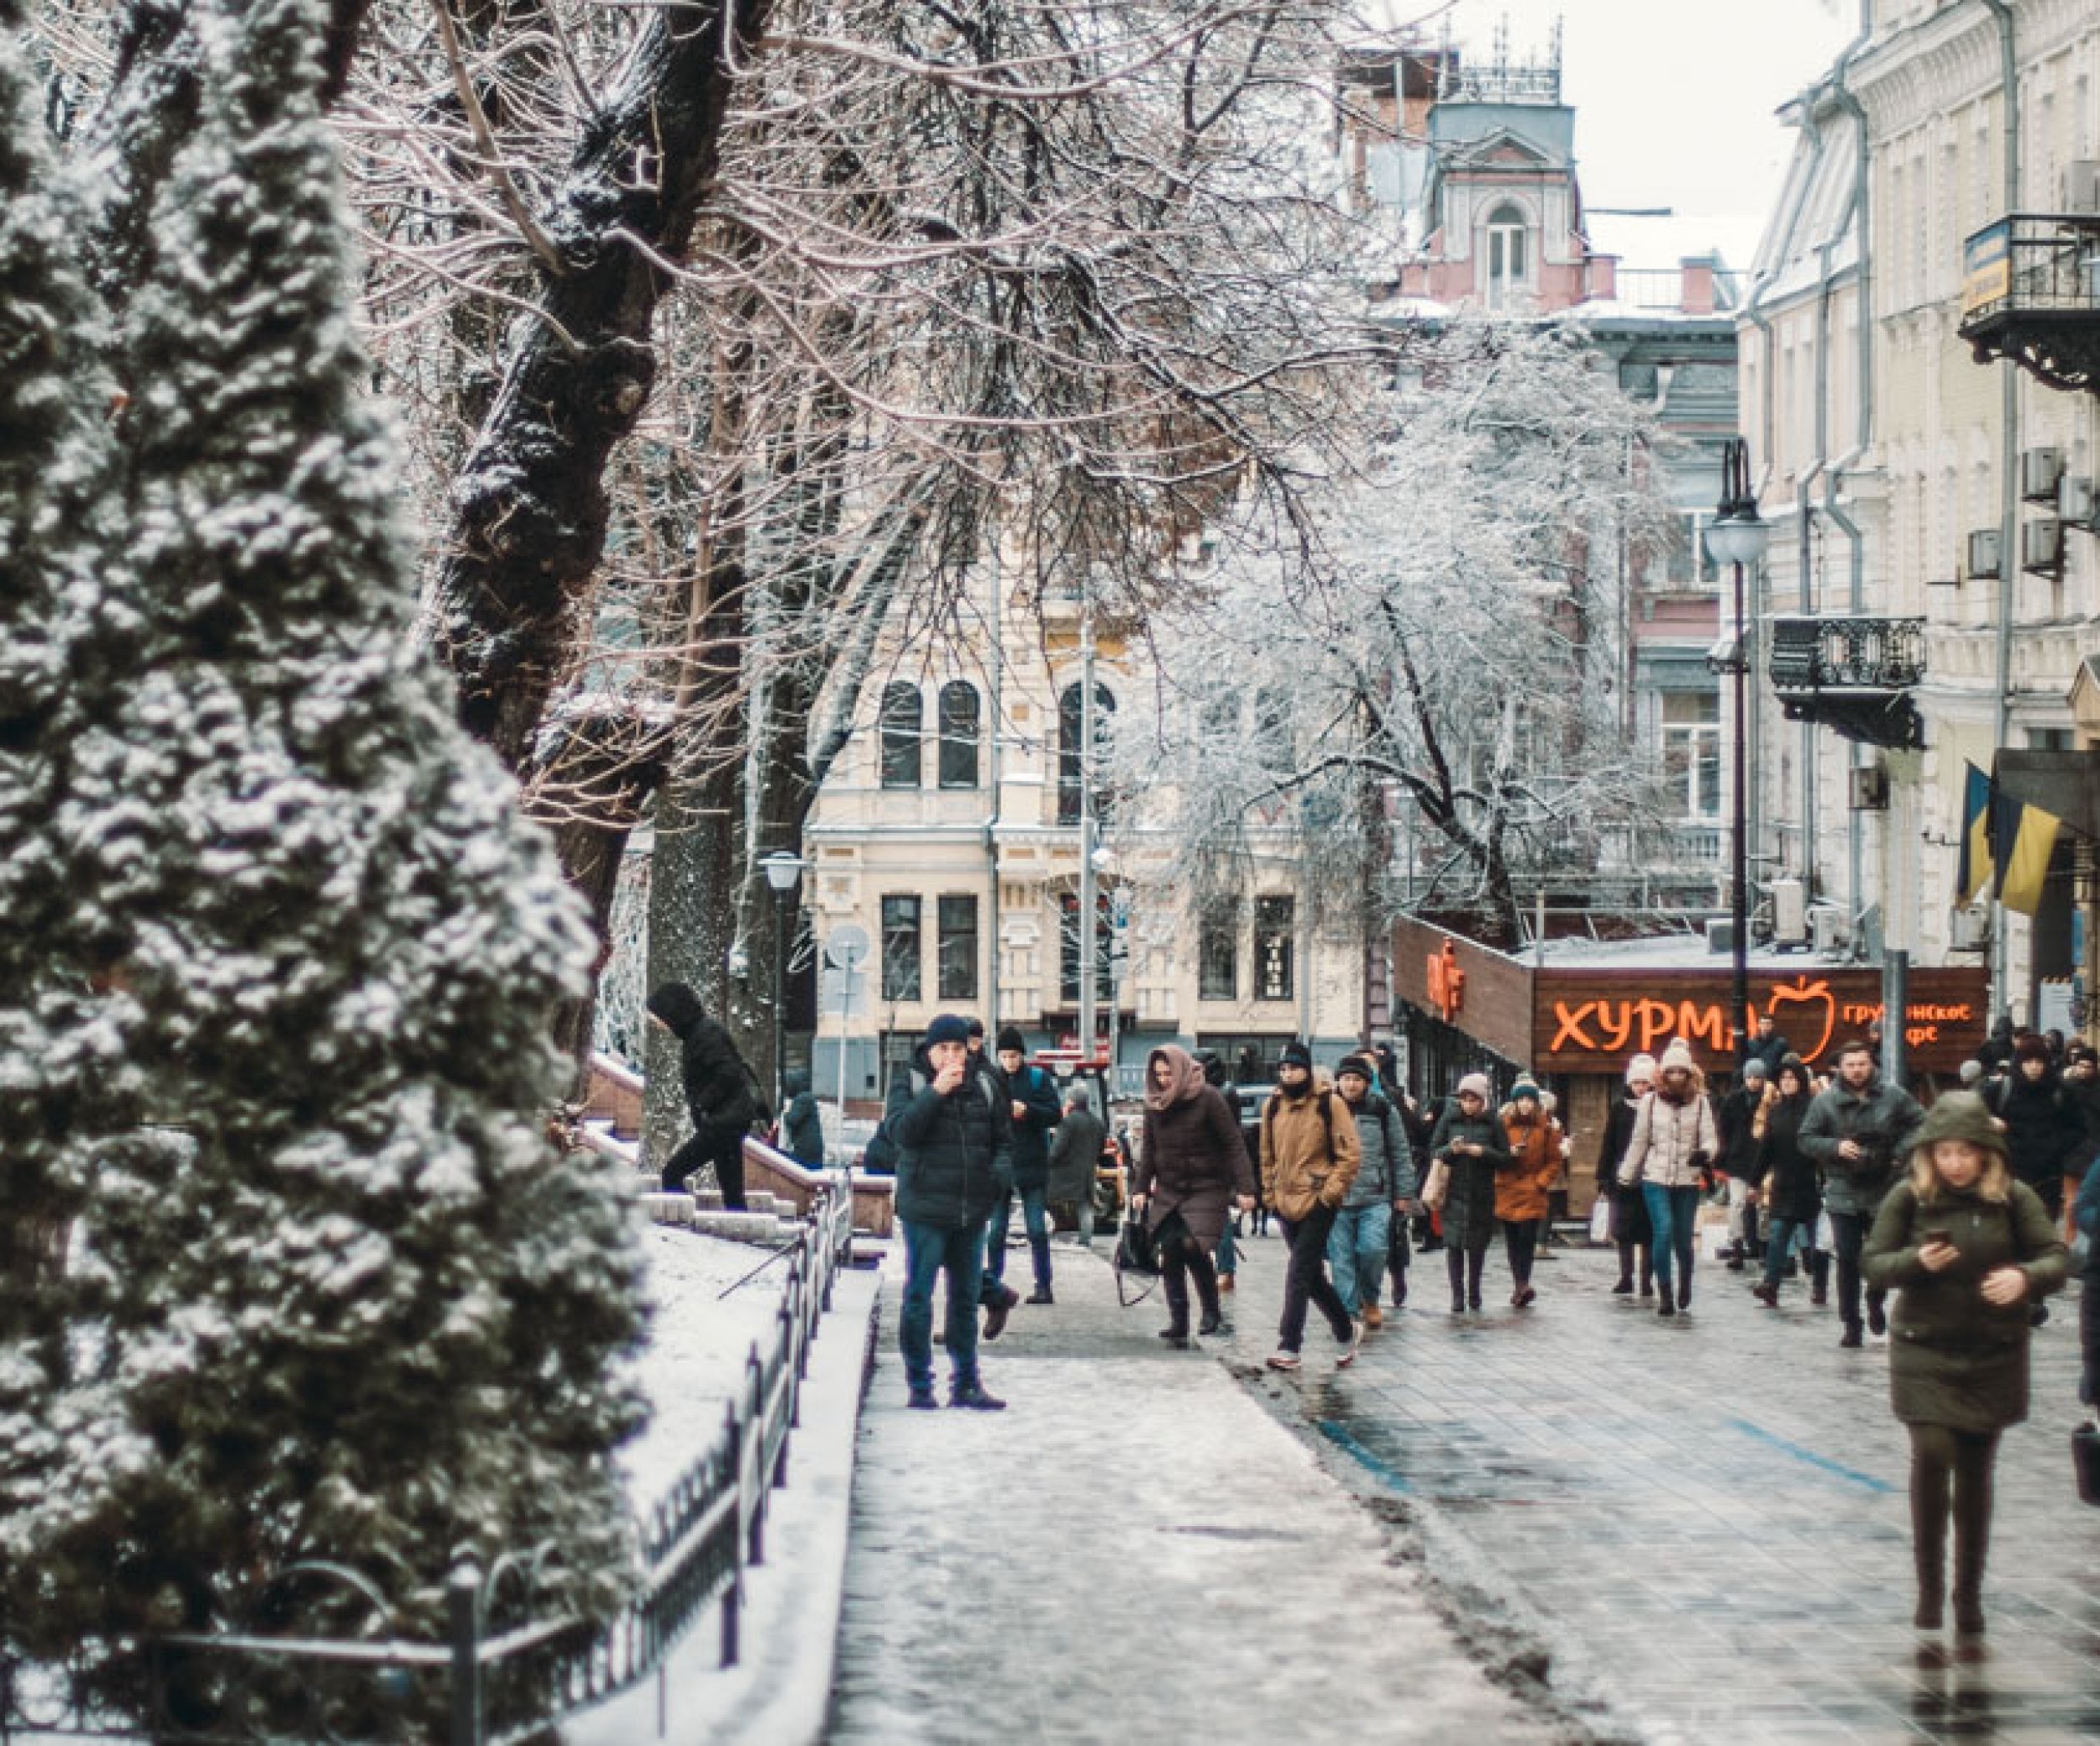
(1437,1189)
(2085,1462)
(1600,1218)
(1137,1249)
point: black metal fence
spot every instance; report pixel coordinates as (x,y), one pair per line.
(513,1665)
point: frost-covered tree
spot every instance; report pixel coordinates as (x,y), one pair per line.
(1438,639)
(342,1298)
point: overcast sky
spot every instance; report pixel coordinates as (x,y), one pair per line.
(1673,103)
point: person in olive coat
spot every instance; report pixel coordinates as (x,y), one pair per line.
(1471,1144)
(1191,1166)
(1970,1249)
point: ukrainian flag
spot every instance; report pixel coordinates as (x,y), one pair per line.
(1974,870)
(2022,839)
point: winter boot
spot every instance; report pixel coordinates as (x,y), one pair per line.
(971,1395)
(1176,1331)
(1736,1257)
(1665,1305)
(1207,1291)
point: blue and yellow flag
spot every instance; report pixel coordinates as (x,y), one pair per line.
(2022,839)
(1974,872)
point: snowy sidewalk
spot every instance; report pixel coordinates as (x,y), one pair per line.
(1133,1549)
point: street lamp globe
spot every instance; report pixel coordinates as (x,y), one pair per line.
(783,871)
(1738,535)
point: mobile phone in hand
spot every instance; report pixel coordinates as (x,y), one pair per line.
(1939,1234)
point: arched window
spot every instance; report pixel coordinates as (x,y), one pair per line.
(958,735)
(1509,256)
(1071,766)
(902,710)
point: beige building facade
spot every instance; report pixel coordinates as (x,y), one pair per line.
(949,837)
(1931,590)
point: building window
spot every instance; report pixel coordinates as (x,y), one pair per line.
(900,727)
(1218,954)
(1275,947)
(1508,256)
(1068,935)
(900,949)
(1071,765)
(958,948)
(958,735)
(1691,753)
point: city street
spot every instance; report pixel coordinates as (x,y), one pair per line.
(1702,1522)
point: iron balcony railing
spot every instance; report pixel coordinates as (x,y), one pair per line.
(2047,262)
(1846,655)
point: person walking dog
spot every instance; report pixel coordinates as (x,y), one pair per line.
(1970,1249)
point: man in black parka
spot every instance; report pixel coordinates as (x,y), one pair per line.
(722,1096)
(955,1156)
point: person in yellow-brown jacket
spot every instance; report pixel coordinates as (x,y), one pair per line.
(1309,1157)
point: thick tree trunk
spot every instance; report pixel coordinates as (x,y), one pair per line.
(532,506)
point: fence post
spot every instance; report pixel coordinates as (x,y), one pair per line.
(463,1600)
(733,1596)
(755,1396)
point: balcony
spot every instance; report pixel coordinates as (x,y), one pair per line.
(2031,292)
(1855,675)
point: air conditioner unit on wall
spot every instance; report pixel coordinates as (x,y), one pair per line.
(2076,504)
(1869,787)
(2082,187)
(1789,912)
(1970,929)
(1983,554)
(1721,934)
(2041,469)
(1827,931)
(2041,547)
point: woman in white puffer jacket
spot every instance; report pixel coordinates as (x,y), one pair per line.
(1670,1156)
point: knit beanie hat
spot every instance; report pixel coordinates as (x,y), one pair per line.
(1678,1054)
(1523,1089)
(1009,1037)
(947,1028)
(1641,1067)
(1476,1083)
(2030,1048)
(1972,1071)
(1960,1116)
(1360,1066)
(1296,1054)
(1754,1069)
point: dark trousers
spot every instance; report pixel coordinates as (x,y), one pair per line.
(1307,1280)
(1954,1466)
(1464,1267)
(1180,1261)
(929,1253)
(710,1143)
(1849,1231)
(1519,1237)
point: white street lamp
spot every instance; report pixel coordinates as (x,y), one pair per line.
(783,873)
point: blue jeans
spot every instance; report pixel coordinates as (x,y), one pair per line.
(1035,1215)
(1356,1252)
(929,1251)
(1675,1214)
(1228,1254)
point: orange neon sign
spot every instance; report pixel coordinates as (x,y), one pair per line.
(1807,1012)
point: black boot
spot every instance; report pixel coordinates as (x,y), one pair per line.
(1664,1305)
(1176,1331)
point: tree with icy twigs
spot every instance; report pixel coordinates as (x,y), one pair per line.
(340,1298)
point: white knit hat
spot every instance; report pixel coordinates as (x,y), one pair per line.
(1641,1067)
(1678,1054)
(1477,1084)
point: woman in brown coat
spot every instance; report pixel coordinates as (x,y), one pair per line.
(1523,1192)
(1194,1163)
(1971,1250)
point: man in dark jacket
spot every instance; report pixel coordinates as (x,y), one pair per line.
(1767,1046)
(1857,1131)
(1075,1160)
(1735,1117)
(1034,1108)
(953,1137)
(722,1096)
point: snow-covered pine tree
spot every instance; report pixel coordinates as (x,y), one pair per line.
(64,632)
(372,1315)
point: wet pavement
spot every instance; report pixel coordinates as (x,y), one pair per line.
(1705,1519)
(1136,1550)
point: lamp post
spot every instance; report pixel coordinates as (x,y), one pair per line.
(1737,537)
(783,873)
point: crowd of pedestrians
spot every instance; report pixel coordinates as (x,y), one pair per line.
(1957,1212)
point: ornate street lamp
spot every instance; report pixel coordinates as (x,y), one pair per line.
(783,873)
(1737,537)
